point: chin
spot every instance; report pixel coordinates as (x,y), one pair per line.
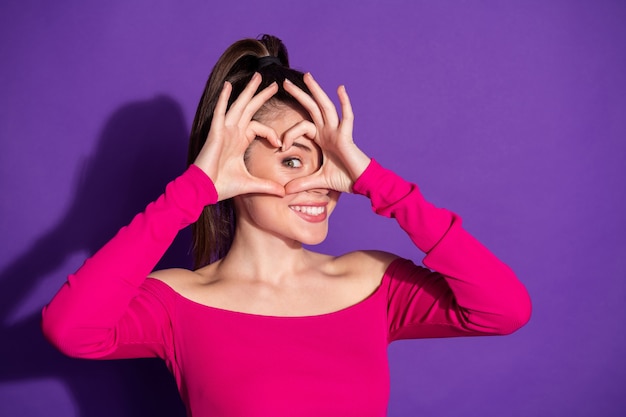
(314,238)
(313,242)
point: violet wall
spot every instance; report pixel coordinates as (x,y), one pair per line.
(512,114)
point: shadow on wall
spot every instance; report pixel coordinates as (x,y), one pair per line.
(142,147)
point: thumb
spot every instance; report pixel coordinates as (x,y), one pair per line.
(261,186)
(309,182)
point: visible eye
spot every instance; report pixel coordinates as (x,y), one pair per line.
(292,162)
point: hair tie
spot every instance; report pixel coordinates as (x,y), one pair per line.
(264,61)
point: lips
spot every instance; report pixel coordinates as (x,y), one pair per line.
(310,213)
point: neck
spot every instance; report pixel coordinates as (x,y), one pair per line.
(260,256)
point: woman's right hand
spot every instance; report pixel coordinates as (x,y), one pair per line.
(222,156)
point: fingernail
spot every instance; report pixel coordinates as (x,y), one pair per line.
(287,81)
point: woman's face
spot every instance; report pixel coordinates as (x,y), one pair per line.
(301,216)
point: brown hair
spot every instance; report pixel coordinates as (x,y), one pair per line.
(213,233)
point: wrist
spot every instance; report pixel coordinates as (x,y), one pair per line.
(355,162)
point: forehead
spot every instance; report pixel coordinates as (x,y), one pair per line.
(280,116)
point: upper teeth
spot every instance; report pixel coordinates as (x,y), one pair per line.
(310,210)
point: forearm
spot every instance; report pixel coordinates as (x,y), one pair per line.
(84,314)
(488,296)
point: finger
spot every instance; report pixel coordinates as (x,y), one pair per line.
(222,104)
(306,100)
(303,128)
(246,95)
(323,101)
(347,116)
(258,101)
(309,182)
(258,129)
(261,186)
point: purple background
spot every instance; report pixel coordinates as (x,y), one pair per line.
(512,114)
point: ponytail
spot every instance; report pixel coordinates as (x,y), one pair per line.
(214,231)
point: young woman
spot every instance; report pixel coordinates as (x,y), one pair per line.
(263,326)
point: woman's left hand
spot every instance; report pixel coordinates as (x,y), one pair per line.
(343,161)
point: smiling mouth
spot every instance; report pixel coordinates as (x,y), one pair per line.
(309,210)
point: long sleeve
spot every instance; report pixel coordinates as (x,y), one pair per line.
(465,289)
(103,310)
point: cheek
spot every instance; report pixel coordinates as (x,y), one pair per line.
(261,166)
(258,208)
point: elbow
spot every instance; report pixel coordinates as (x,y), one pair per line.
(515,307)
(516,313)
(503,317)
(514,323)
(53,330)
(73,341)
(60,335)
(58,338)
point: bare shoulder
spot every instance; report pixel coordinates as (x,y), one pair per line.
(368,258)
(176,278)
(370,264)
